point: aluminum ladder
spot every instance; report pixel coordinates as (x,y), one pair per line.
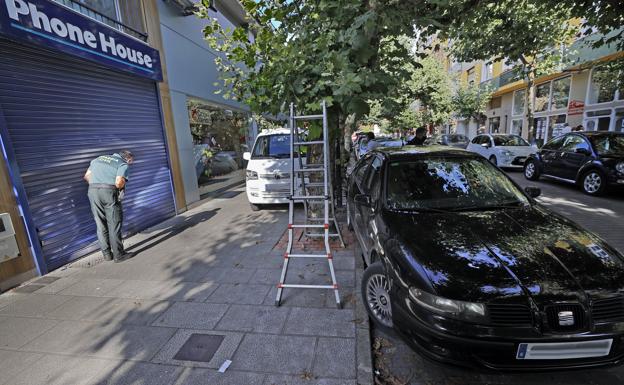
(302,194)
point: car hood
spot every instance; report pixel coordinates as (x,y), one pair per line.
(481,256)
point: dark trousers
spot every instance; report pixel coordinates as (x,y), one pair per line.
(108,216)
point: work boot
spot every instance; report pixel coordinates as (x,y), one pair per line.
(108,257)
(123,257)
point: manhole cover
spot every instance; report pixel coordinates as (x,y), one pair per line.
(199,347)
(46,280)
(229,194)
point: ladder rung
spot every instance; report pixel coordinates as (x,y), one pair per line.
(313,165)
(309,197)
(321,235)
(311,170)
(307,226)
(320,219)
(309,143)
(304,117)
(307,255)
(307,286)
(315,184)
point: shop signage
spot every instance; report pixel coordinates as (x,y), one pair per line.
(47,23)
(576,107)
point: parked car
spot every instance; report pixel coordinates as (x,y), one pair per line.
(502,150)
(453,140)
(382,141)
(268,168)
(592,160)
(469,269)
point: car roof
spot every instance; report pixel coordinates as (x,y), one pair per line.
(596,133)
(423,152)
(274,131)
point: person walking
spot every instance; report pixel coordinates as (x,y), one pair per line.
(419,138)
(107,176)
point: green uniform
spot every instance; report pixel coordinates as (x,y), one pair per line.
(105,202)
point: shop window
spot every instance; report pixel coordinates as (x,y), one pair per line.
(518,102)
(516,127)
(556,126)
(488,71)
(560,93)
(542,96)
(538,133)
(603,86)
(112,12)
(494,125)
(619,120)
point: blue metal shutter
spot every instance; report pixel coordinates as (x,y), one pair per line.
(61,113)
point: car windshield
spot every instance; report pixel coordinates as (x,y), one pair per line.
(449,184)
(608,144)
(509,140)
(272,146)
(457,139)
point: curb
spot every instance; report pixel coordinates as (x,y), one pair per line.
(364,355)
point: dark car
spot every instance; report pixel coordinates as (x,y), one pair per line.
(453,140)
(469,269)
(592,160)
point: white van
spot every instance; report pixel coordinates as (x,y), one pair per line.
(268,169)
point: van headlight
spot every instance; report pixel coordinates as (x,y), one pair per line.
(620,167)
(466,311)
(251,175)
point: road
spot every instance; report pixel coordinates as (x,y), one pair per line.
(398,364)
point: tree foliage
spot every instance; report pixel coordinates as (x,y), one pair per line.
(430,84)
(469,101)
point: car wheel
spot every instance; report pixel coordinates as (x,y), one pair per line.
(593,182)
(493,160)
(255,207)
(376,295)
(531,171)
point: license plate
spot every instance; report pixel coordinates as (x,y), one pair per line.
(563,350)
(277,187)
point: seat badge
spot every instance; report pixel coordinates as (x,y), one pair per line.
(566,318)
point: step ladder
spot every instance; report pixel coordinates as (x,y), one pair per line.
(299,192)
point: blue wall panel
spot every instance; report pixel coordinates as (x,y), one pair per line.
(63,112)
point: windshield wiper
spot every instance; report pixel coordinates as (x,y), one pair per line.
(498,206)
(423,210)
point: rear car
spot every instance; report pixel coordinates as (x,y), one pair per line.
(593,161)
(453,140)
(469,269)
(503,150)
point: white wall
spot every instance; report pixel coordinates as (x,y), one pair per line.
(191,73)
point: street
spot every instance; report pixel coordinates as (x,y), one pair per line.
(398,364)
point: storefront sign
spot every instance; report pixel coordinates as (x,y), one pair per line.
(50,24)
(576,107)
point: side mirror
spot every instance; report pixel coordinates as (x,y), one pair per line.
(247,155)
(362,199)
(486,145)
(583,151)
(533,192)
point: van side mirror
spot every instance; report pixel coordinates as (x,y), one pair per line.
(247,155)
(533,192)
(582,150)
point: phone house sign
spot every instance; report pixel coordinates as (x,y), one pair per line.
(50,24)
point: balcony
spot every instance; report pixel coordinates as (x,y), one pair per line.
(503,79)
(129,14)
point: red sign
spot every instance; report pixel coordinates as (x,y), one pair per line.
(576,107)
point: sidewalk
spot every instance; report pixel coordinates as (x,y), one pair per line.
(209,275)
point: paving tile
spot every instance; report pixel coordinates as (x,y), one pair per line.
(255,319)
(61,284)
(60,370)
(14,362)
(94,287)
(303,380)
(224,352)
(335,356)
(102,340)
(274,353)
(300,297)
(137,373)
(46,280)
(226,275)
(31,288)
(10,297)
(212,377)
(321,322)
(239,294)
(178,291)
(192,315)
(313,274)
(34,305)
(130,311)
(15,332)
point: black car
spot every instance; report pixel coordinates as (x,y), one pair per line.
(453,140)
(469,269)
(592,160)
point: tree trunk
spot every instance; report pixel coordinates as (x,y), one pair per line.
(528,70)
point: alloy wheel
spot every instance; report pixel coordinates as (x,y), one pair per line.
(592,182)
(378,298)
(529,170)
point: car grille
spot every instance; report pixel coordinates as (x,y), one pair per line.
(282,175)
(554,321)
(518,160)
(608,309)
(509,314)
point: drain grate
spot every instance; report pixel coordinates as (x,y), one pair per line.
(229,194)
(199,347)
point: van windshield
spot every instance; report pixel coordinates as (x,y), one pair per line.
(272,146)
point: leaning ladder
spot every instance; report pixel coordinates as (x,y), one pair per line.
(303,195)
